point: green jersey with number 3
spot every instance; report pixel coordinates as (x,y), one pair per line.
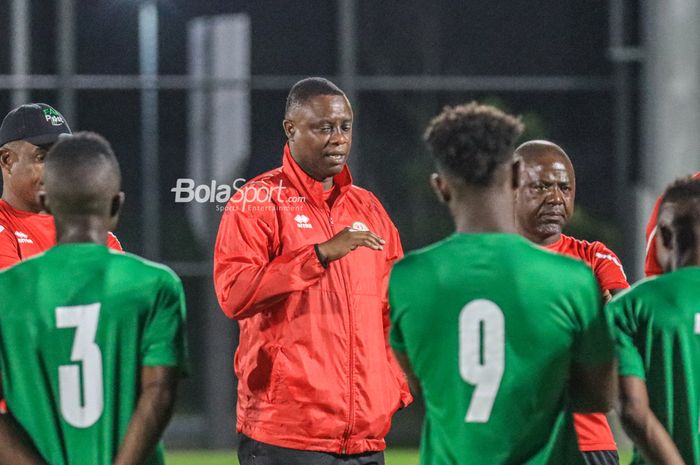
(657,329)
(77,324)
(491,325)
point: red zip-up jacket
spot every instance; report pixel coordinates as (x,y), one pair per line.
(24,234)
(314,365)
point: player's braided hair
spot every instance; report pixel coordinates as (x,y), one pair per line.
(471,140)
(307,88)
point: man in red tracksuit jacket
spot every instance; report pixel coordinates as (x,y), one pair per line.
(302,260)
(544,202)
(652,267)
(26,134)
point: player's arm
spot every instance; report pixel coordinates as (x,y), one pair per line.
(408,370)
(592,387)
(642,426)
(17,447)
(164,362)
(394,252)
(608,294)
(593,379)
(153,411)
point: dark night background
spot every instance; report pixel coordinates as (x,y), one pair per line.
(298,38)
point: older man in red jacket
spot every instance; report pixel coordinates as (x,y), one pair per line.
(302,260)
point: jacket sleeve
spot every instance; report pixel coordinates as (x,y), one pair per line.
(651,264)
(9,253)
(394,252)
(248,275)
(608,269)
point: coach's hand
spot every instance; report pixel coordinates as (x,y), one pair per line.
(346,241)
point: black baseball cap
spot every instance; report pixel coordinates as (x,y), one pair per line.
(37,123)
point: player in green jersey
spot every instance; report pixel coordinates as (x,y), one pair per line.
(92,341)
(502,347)
(657,327)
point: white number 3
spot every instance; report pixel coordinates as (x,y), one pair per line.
(481,355)
(82,397)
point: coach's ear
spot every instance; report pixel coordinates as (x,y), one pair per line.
(289,129)
(440,187)
(7,159)
(515,172)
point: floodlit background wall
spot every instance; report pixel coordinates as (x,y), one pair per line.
(187,89)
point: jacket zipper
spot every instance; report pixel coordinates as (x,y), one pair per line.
(351,358)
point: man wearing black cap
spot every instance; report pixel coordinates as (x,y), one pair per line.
(26,134)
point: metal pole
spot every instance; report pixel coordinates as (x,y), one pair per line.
(347,53)
(347,46)
(66,60)
(20,49)
(623,118)
(148,66)
(671,96)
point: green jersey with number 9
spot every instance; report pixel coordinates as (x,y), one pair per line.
(657,332)
(491,325)
(77,324)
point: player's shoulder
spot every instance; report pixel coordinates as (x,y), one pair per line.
(547,266)
(139,267)
(652,286)
(418,263)
(23,271)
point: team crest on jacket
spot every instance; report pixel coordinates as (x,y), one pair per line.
(358,226)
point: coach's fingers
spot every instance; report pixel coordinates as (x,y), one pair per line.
(372,243)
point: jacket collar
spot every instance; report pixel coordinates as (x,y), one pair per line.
(308,186)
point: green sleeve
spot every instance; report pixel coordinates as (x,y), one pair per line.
(626,328)
(164,339)
(594,342)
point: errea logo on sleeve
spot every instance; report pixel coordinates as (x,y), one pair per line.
(23,238)
(303,222)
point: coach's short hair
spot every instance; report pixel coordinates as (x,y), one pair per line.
(471,140)
(308,88)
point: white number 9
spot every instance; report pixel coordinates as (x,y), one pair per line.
(481,355)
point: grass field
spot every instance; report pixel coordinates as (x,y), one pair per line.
(393,457)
